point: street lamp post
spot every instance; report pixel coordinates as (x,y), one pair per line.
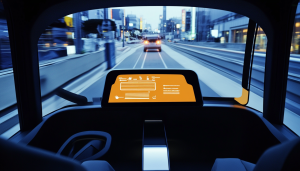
(173,29)
(77,24)
(123,27)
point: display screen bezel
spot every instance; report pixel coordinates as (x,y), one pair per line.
(190,76)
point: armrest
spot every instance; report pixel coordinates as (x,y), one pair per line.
(93,144)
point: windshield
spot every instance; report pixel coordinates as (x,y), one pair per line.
(78,50)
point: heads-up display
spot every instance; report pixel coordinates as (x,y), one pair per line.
(151,88)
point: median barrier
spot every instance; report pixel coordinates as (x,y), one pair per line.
(52,76)
(7,90)
(60,73)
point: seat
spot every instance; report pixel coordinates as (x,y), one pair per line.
(94,165)
(232,164)
(21,157)
(284,156)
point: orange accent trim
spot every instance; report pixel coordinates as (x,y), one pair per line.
(111,16)
(124,17)
(239,106)
(243,100)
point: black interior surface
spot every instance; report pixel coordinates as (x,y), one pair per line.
(20,157)
(196,136)
(195,139)
(28,20)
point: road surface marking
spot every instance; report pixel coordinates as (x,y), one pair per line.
(137,60)
(162,60)
(144,60)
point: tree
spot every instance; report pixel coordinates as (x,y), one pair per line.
(135,32)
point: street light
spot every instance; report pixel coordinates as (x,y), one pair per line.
(123,27)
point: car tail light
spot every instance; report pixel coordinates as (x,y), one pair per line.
(146,42)
(158,42)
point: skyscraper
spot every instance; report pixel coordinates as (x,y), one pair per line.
(164,19)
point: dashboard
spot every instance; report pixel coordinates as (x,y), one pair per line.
(151,88)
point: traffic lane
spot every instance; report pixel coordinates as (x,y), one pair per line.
(171,63)
(257,60)
(129,62)
(153,60)
(96,89)
(134,61)
(232,70)
(257,74)
(225,67)
(216,52)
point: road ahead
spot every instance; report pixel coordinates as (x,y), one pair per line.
(219,73)
(143,60)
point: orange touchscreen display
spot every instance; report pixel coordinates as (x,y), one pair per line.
(151,88)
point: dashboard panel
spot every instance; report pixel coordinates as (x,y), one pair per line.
(152,88)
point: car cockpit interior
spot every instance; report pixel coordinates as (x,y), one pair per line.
(88,85)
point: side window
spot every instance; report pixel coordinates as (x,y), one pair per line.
(9,120)
(71,53)
(258,71)
(292,102)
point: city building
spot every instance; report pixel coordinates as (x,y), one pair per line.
(202,24)
(188,19)
(229,26)
(95,14)
(172,25)
(295,46)
(183,20)
(132,22)
(117,16)
(187,26)
(164,19)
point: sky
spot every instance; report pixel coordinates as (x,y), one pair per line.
(151,13)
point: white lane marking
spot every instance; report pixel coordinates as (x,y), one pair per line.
(144,60)
(137,60)
(162,60)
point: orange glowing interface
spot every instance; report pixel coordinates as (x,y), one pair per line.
(151,88)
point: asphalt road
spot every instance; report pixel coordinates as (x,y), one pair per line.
(219,73)
(143,60)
